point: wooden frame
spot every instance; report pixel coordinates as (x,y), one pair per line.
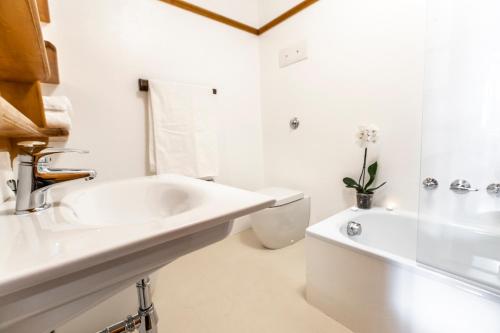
(236,24)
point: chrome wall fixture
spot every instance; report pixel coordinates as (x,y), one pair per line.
(430,183)
(462,186)
(294,123)
(493,189)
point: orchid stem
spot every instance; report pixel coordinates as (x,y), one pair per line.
(363,171)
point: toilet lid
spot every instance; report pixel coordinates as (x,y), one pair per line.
(282,195)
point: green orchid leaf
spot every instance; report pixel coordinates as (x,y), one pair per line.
(372,171)
(351,183)
(371,190)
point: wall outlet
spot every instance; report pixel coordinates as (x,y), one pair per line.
(293,54)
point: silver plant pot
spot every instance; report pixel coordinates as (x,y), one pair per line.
(364,200)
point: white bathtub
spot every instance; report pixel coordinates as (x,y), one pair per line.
(372,284)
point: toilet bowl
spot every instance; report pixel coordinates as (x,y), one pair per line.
(285,222)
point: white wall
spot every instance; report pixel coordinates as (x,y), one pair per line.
(365,66)
(104,46)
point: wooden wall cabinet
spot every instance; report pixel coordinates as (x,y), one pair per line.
(24,63)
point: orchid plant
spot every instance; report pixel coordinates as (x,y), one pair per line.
(365,136)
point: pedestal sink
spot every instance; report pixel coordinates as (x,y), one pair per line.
(101,239)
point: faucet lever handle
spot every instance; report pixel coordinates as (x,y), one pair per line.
(41,156)
(51,150)
(39,149)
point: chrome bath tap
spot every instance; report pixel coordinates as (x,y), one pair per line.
(35,177)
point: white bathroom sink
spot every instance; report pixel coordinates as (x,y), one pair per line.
(100,239)
(135,201)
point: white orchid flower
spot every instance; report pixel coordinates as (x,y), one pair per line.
(367,134)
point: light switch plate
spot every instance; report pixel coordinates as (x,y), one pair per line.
(293,54)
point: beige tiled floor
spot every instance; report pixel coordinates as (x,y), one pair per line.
(237,286)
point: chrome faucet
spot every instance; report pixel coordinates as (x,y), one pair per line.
(35,177)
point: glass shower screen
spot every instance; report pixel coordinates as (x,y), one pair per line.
(459,209)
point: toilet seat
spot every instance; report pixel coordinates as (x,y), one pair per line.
(282,195)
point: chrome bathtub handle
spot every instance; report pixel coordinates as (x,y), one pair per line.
(494,189)
(461,186)
(430,183)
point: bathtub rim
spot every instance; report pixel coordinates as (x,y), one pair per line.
(341,240)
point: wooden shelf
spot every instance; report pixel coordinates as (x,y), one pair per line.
(23,57)
(25,97)
(14,124)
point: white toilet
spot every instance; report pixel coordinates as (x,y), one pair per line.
(285,222)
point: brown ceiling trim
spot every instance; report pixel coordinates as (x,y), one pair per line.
(236,24)
(286,15)
(212,15)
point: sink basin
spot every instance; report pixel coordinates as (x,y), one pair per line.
(135,201)
(100,239)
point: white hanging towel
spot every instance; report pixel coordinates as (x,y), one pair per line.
(182,134)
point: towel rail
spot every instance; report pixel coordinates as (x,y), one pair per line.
(144,86)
